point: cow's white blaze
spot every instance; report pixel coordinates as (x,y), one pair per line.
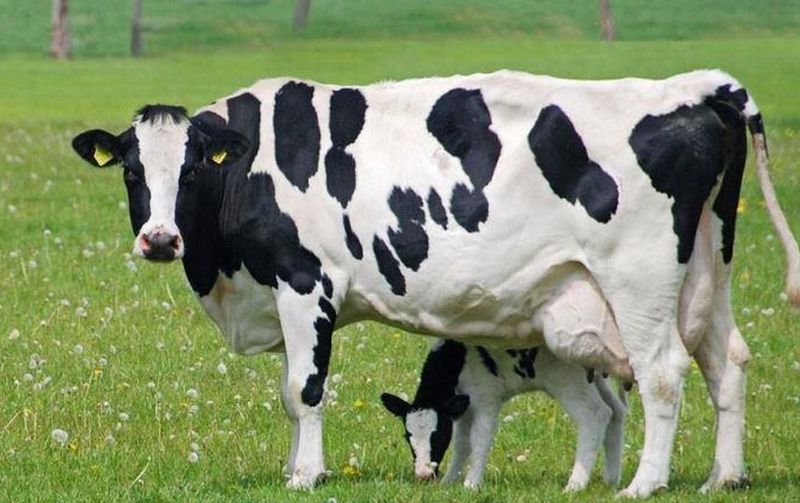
(162,151)
(420,425)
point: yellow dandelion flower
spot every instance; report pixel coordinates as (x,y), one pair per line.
(351,471)
(742,206)
(359,404)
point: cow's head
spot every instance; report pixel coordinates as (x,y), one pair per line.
(162,154)
(428,429)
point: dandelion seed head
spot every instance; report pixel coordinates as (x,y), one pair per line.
(123,416)
(222,368)
(13,335)
(194,457)
(192,393)
(59,436)
(78,349)
(80,312)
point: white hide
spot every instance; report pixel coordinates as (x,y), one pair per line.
(162,146)
(421,424)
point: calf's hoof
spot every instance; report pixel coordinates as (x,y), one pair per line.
(472,485)
(573,487)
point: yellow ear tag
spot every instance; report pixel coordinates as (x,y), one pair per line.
(219,157)
(102,156)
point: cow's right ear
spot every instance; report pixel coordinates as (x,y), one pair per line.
(99,148)
(395,405)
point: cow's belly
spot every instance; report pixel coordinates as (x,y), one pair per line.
(245,313)
(499,314)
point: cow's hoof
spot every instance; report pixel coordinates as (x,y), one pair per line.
(611,479)
(642,490)
(472,485)
(575,486)
(732,482)
(305,480)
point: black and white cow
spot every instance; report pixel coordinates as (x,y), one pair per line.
(462,389)
(460,207)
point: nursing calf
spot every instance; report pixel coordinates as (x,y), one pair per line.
(457,207)
(462,389)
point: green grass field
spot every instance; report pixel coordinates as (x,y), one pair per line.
(117,353)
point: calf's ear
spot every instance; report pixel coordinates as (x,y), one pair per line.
(226,146)
(395,405)
(99,148)
(456,406)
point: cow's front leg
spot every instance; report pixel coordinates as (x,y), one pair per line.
(307,322)
(461,448)
(482,432)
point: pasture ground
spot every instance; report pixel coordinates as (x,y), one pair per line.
(118,354)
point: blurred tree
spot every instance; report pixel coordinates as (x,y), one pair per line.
(136,29)
(300,19)
(606,21)
(59,46)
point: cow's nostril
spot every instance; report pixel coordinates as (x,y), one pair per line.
(175,242)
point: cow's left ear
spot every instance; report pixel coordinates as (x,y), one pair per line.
(99,148)
(456,406)
(395,405)
(226,146)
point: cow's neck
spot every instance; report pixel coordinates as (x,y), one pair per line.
(440,374)
(206,254)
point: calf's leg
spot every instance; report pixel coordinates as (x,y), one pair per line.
(461,448)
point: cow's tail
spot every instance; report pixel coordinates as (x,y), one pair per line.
(756,126)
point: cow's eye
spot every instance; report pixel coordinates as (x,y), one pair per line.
(131,177)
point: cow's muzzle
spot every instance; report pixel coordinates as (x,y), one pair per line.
(160,246)
(427,473)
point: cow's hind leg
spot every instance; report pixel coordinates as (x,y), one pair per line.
(722,356)
(659,362)
(568,385)
(307,323)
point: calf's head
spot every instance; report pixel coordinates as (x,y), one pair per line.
(162,155)
(428,429)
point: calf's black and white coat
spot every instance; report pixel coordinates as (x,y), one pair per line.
(464,207)
(462,389)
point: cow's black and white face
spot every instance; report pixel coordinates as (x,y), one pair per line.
(428,430)
(162,154)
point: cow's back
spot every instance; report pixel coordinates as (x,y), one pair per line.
(461,200)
